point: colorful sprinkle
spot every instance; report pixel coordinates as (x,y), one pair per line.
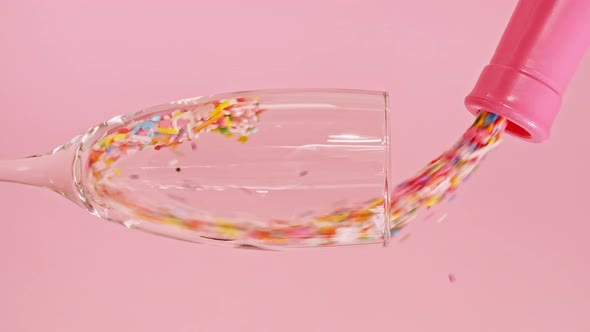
(170,131)
(346,224)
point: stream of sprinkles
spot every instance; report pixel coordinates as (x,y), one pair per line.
(237,119)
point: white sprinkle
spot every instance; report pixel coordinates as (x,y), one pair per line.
(347,234)
(441,218)
(130,223)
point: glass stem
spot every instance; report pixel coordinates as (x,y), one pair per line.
(29,171)
(52,171)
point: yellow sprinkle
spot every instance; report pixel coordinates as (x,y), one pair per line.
(341,216)
(229,135)
(119,137)
(243,139)
(171,131)
(227,229)
(454,181)
(213,117)
(107,141)
(432,201)
(335,217)
(109,161)
(227,122)
(413,198)
(376,203)
(219,108)
(117,172)
(435,168)
(173,221)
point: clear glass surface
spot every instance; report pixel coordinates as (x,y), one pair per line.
(279,168)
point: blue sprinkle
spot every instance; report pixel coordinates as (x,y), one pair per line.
(489,119)
(456,160)
(394,231)
(156,118)
(472,147)
(109,149)
(151,134)
(147,125)
(135,130)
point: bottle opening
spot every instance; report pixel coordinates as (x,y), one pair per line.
(517,130)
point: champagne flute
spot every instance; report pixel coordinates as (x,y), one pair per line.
(265,169)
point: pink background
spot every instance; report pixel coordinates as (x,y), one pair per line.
(516,238)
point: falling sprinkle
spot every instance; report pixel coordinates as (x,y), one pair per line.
(405,238)
(452,278)
(178,169)
(303,173)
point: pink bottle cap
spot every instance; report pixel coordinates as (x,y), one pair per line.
(536,58)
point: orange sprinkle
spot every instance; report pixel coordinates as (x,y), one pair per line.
(207,123)
(328,231)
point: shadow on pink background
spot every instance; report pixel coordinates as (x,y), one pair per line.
(516,239)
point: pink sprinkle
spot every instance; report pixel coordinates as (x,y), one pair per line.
(193,145)
(300,231)
(470,134)
(182,123)
(165,123)
(452,278)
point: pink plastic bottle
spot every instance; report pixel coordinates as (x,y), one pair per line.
(533,64)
